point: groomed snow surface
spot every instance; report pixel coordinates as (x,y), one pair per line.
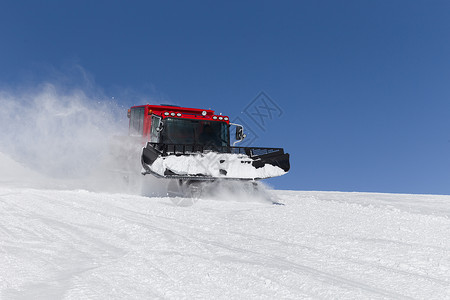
(64,243)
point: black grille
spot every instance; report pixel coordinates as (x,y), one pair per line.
(182,149)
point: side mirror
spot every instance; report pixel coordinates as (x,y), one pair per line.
(240,135)
(160,127)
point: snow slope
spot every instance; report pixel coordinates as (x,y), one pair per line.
(77,244)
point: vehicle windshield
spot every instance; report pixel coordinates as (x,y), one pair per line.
(195,132)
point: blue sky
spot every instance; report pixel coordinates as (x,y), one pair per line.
(363,86)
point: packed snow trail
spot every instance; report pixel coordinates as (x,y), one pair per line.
(74,244)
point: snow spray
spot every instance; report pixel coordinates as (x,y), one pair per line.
(64,136)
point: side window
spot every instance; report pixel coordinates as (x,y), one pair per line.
(154,135)
(137,121)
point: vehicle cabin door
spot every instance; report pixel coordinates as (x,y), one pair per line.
(155,129)
(137,121)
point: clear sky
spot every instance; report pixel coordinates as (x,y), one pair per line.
(363,86)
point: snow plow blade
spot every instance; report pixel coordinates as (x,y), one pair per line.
(199,162)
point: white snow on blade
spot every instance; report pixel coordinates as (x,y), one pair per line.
(236,165)
(76,244)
